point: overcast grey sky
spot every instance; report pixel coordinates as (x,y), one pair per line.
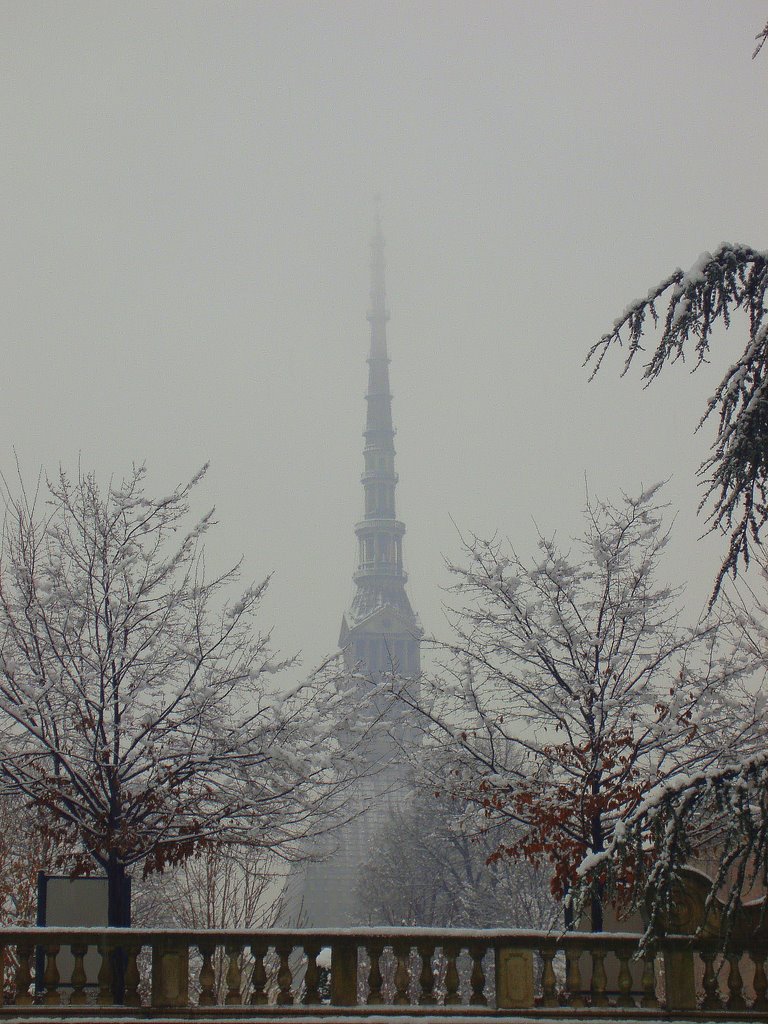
(187,204)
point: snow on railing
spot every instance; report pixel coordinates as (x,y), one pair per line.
(500,972)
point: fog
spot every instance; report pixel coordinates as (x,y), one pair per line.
(188,192)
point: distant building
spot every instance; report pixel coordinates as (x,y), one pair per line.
(380,633)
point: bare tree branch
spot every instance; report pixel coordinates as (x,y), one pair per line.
(136,703)
(572,687)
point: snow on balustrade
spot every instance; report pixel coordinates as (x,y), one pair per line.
(503,973)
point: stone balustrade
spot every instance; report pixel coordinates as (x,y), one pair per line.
(51,972)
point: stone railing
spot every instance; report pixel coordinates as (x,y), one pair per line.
(52,972)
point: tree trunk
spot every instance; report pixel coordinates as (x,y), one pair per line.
(569,917)
(118,916)
(598,892)
(117,910)
(596,923)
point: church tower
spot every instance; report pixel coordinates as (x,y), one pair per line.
(380,632)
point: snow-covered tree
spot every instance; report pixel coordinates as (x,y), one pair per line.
(135,707)
(221,886)
(430,868)
(572,688)
(717,816)
(717,813)
(735,475)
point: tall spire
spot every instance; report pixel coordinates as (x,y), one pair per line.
(378,308)
(376,640)
(379,634)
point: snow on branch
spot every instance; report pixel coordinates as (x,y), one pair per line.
(735,474)
(572,687)
(136,698)
(715,810)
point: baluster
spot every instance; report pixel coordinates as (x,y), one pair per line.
(345,971)
(105,996)
(648,982)
(573,978)
(23,974)
(52,995)
(234,975)
(259,995)
(452,997)
(402,976)
(624,997)
(736,999)
(311,975)
(599,981)
(78,980)
(284,976)
(375,979)
(548,979)
(477,977)
(427,977)
(132,978)
(709,982)
(207,976)
(760,982)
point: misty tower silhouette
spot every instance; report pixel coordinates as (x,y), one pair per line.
(380,632)
(380,635)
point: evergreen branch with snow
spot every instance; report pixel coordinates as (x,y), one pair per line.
(732,278)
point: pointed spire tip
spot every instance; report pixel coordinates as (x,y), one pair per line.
(378,307)
(378,234)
